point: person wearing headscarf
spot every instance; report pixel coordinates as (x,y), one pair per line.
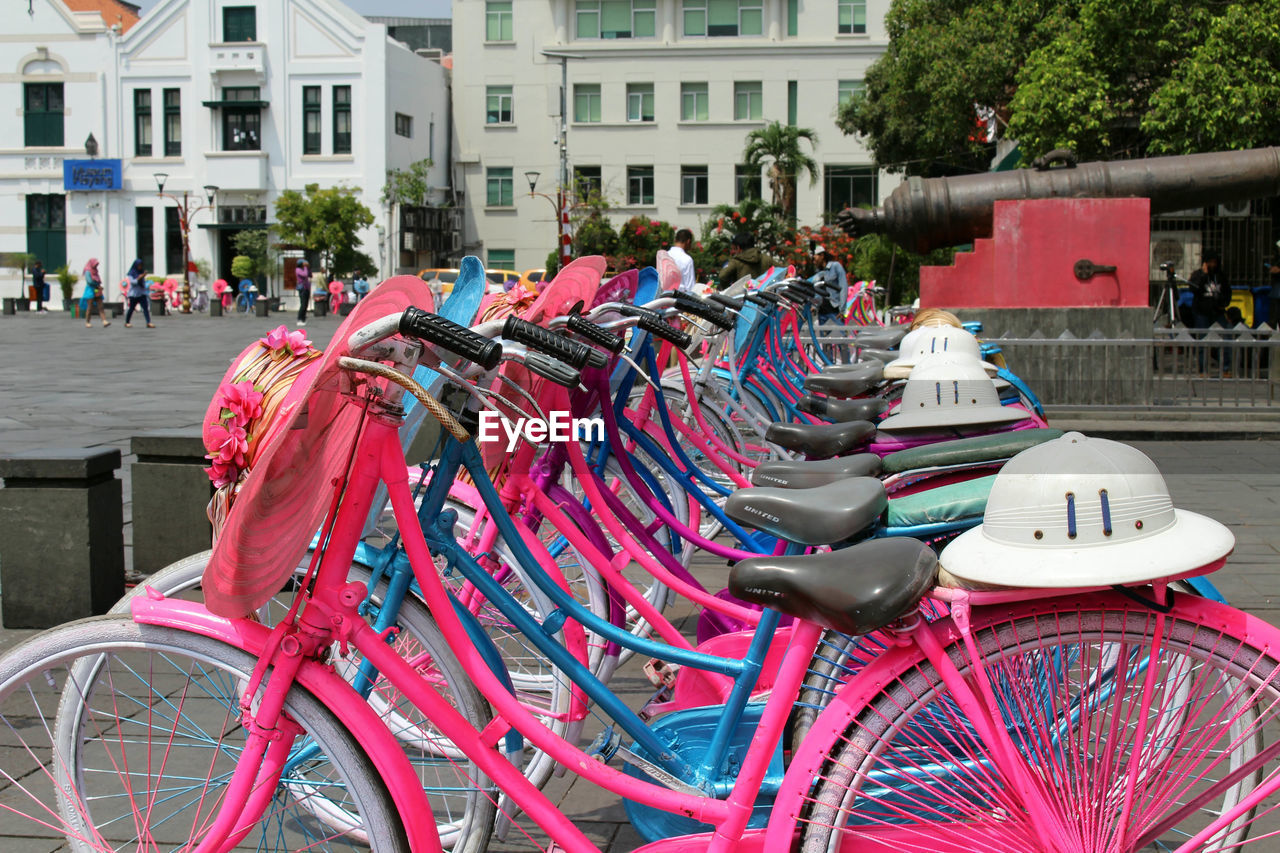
(138,293)
(93,294)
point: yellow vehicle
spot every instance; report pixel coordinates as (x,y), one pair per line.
(531,278)
(500,281)
(440,279)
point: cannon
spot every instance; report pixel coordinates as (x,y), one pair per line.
(929,213)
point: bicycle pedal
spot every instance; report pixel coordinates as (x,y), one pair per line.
(660,673)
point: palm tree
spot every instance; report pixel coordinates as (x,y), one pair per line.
(778,145)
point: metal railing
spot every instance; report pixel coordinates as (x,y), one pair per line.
(1176,368)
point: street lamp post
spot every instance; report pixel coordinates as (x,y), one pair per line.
(185,212)
(562,215)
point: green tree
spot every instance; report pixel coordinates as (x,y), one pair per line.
(326,222)
(256,246)
(778,146)
(407,186)
(1105,78)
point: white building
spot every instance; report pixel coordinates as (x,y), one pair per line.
(661,95)
(252,97)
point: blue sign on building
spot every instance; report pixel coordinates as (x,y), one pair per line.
(92,175)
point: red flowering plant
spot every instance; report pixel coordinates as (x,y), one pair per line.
(639,240)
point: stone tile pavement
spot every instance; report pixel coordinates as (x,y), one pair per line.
(64,385)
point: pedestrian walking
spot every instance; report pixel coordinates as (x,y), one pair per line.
(138,293)
(303,277)
(93,294)
(359,284)
(679,253)
(40,286)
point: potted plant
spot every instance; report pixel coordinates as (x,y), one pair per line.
(67,281)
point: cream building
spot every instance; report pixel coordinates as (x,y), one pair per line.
(660,97)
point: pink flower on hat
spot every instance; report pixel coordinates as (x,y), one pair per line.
(228,444)
(281,340)
(240,403)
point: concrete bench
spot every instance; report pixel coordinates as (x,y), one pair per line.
(170,492)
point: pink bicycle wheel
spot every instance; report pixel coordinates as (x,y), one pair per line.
(1126,737)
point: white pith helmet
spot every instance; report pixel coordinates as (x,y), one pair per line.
(1080,511)
(950,389)
(931,340)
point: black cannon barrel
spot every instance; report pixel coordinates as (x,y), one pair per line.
(928,213)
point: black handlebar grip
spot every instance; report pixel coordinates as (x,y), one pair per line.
(553,369)
(434,329)
(656,325)
(579,325)
(544,340)
(691,304)
(757,299)
(734,302)
(769,295)
(804,288)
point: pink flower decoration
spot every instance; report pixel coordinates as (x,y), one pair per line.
(241,402)
(228,444)
(222,474)
(281,340)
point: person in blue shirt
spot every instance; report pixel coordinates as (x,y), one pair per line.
(359,284)
(138,293)
(832,284)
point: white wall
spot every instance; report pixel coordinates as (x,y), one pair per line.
(816,58)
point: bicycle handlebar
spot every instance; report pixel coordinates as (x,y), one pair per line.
(535,337)
(434,329)
(580,325)
(691,304)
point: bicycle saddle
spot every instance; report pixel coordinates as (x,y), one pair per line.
(845,383)
(855,590)
(805,474)
(820,440)
(868,369)
(880,338)
(817,516)
(842,411)
(884,356)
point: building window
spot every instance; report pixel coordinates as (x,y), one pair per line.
(241,125)
(747,183)
(694,102)
(639,185)
(586,102)
(793,17)
(615,19)
(587,181)
(793,101)
(47,229)
(173,260)
(142,122)
(499,105)
(42,115)
(341,119)
(639,102)
(497,20)
(173,122)
(500,259)
(431,140)
(848,186)
(748,100)
(847,90)
(239,23)
(311,120)
(693,185)
(404,125)
(851,16)
(723,17)
(500,187)
(145,242)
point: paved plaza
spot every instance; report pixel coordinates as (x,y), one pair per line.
(62,385)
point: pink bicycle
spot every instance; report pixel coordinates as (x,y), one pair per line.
(1069,716)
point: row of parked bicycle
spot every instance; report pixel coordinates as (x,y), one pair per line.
(946,625)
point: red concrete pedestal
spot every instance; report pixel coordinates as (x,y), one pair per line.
(1029,260)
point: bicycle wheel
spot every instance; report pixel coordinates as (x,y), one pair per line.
(840,657)
(139,755)
(243,304)
(1124,750)
(464,809)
